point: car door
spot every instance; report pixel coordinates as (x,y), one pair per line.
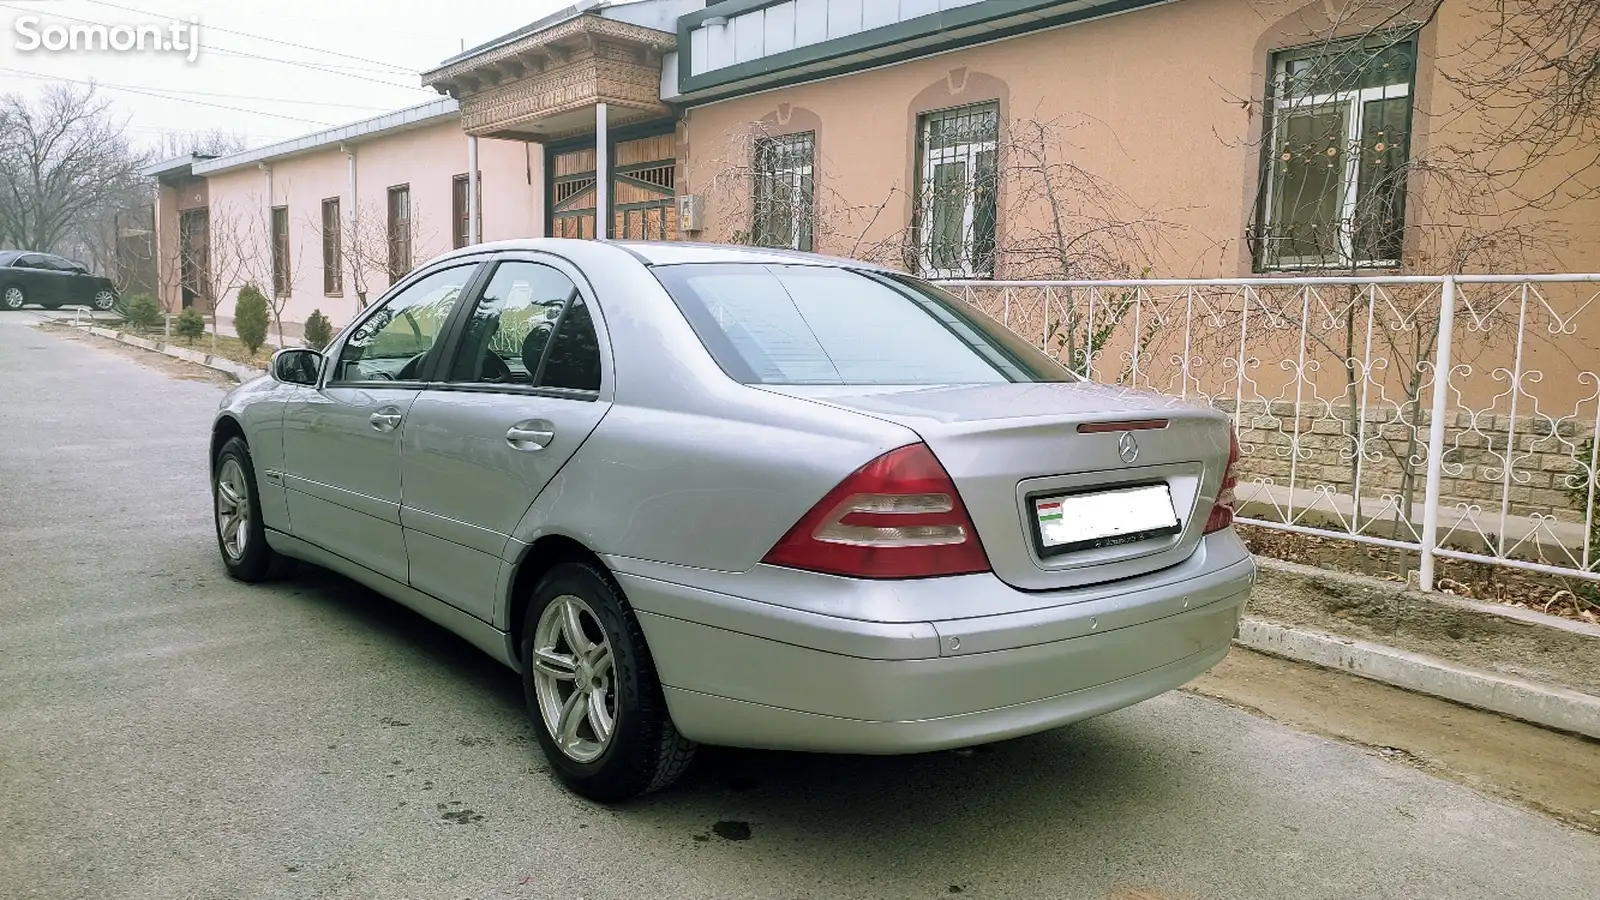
(77,285)
(39,280)
(524,389)
(341,440)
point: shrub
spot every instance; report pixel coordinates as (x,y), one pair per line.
(319,331)
(141,312)
(251,316)
(189,325)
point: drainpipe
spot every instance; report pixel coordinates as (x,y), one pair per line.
(351,218)
(473,236)
(602,175)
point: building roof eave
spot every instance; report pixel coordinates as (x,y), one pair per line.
(441,110)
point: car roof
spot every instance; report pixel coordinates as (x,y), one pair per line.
(672,253)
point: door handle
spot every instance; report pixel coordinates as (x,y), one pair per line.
(530,436)
(386,419)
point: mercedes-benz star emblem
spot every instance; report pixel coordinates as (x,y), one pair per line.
(1127,447)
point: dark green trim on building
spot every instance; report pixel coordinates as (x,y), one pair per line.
(929,30)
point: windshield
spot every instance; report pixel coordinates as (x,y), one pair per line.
(799,325)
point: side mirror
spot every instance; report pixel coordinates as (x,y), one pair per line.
(296,365)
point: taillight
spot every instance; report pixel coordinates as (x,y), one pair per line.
(1222,510)
(898,516)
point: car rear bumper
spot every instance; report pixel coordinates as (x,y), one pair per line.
(745,673)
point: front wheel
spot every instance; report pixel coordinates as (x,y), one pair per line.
(592,690)
(13,298)
(241,536)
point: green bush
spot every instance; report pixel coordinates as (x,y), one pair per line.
(189,325)
(251,316)
(141,312)
(319,331)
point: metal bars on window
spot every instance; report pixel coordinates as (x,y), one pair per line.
(958,150)
(785,180)
(1336,151)
(332,248)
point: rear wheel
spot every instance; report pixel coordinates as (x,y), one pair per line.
(104,300)
(592,689)
(241,536)
(13,297)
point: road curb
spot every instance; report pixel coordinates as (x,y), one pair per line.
(239,371)
(1552,707)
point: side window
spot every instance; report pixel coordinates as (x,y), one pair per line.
(29,261)
(392,345)
(530,328)
(574,354)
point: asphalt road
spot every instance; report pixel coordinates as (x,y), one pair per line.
(167,733)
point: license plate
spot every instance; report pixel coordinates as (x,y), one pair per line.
(1105,518)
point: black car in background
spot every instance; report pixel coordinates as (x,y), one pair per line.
(51,282)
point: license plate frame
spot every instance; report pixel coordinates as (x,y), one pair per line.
(1134,492)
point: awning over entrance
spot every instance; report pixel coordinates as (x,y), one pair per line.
(545,84)
(588,88)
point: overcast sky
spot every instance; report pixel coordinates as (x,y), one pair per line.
(355,59)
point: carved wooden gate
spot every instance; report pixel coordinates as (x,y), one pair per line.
(642,191)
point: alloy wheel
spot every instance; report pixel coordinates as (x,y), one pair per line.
(572,678)
(233,509)
(13,299)
(104,300)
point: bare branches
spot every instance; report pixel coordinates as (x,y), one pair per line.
(1534,78)
(62,161)
(1063,220)
(200,143)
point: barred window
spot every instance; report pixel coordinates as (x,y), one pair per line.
(959,151)
(1336,155)
(281,281)
(785,182)
(399,232)
(460,210)
(332,249)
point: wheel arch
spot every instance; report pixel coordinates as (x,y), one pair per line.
(223,430)
(540,557)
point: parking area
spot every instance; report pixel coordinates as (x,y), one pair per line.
(168,733)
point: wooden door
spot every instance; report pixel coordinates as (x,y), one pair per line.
(643,199)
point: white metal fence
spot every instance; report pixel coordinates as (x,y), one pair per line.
(1346,429)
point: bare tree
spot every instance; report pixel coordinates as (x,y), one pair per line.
(1533,80)
(202,143)
(63,160)
(373,253)
(1337,204)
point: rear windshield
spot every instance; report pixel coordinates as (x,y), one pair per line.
(795,325)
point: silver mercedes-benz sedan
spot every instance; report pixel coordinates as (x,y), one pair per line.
(743,497)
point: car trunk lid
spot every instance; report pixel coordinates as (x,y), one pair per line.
(1102,452)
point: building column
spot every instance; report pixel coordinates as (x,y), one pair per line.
(473,236)
(602,175)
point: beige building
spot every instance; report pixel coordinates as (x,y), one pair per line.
(956,138)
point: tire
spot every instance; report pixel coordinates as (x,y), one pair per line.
(13,297)
(103,300)
(244,551)
(643,752)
